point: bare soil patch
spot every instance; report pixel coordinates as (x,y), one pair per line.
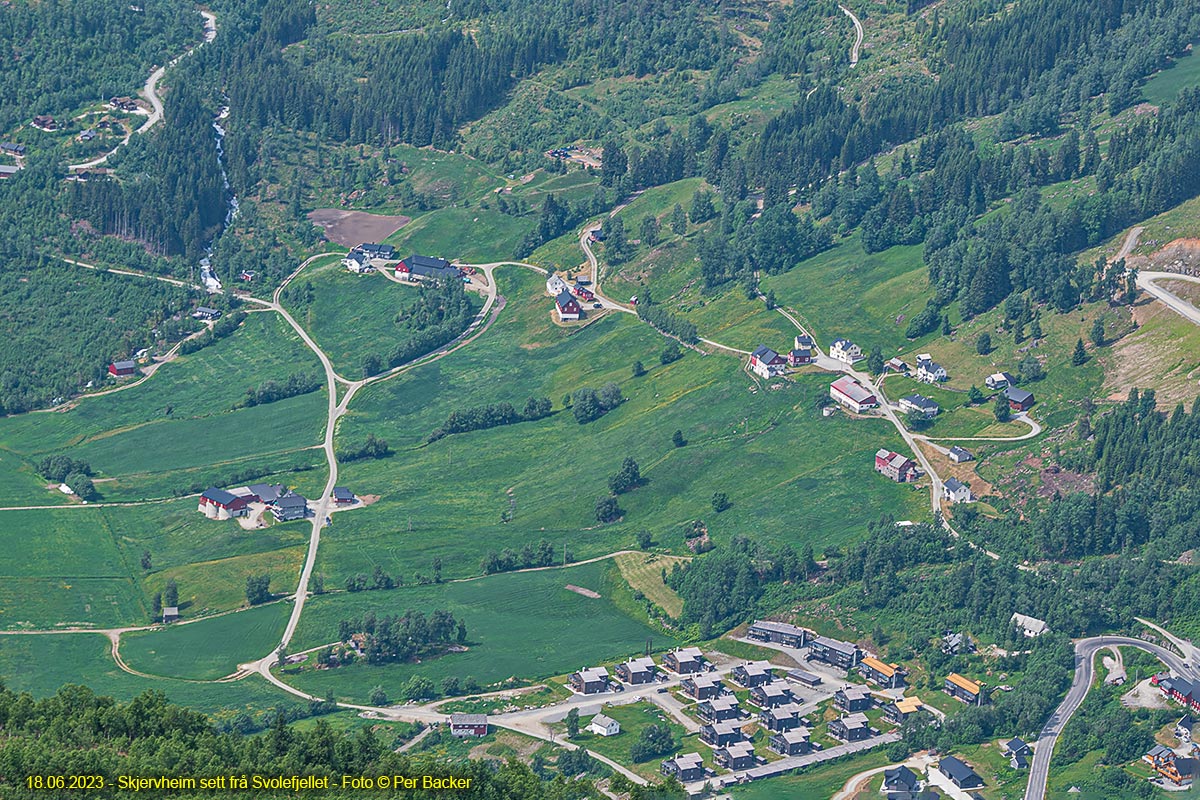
(1180,255)
(368,499)
(1153,356)
(585,592)
(1055,479)
(352,228)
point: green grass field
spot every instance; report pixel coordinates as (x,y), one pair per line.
(550,472)
(351,315)
(821,781)
(181,418)
(526,625)
(477,235)
(207,649)
(41,664)
(1164,87)
(846,292)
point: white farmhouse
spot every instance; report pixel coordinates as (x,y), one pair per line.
(604,726)
(845,350)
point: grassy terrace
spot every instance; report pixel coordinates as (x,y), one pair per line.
(527,625)
(208,649)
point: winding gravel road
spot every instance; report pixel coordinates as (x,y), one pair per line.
(858,35)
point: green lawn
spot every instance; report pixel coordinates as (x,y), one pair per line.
(207,649)
(634,719)
(820,781)
(526,625)
(352,315)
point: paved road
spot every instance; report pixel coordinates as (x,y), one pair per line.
(858,35)
(1146,281)
(1085,656)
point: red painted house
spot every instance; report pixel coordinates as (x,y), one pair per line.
(1019,399)
(568,306)
(899,468)
(468,724)
(122,368)
(583,293)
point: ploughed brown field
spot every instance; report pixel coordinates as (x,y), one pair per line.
(352,228)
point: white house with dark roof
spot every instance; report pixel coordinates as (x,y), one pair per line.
(929,371)
(919,404)
(955,491)
(766,363)
(845,351)
(999,380)
(602,725)
(959,456)
(289,507)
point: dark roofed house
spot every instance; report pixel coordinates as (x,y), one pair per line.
(959,773)
(919,404)
(568,306)
(636,670)
(799,355)
(832,651)
(685,768)
(590,681)
(739,755)
(783,718)
(900,781)
(289,507)
(45,122)
(1019,399)
(850,728)
(468,724)
(384,251)
(684,661)
(719,709)
(852,698)
(778,632)
(769,695)
(12,148)
(88,135)
(765,362)
(343,496)
(220,504)
(795,742)
(206,313)
(958,455)
(720,734)
(418,267)
(1018,753)
(170,614)
(755,673)
(804,677)
(122,368)
(702,687)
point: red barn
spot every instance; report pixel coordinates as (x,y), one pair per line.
(122,368)
(1018,399)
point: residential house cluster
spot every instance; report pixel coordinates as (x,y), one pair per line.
(45,122)
(122,104)
(820,648)
(1179,770)
(766,363)
(284,504)
(359,260)
(802,350)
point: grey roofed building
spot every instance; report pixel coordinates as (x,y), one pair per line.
(343,495)
(290,506)
(809,679)
(958,455)
(920,404)
(170,614)
(268,492)
(383,251)
(12,148)
(1015,394)
(686,767)
(125,364)
(955,643)
(900,779)
(430,267)
(9,169)
(959,773)
(781,632)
